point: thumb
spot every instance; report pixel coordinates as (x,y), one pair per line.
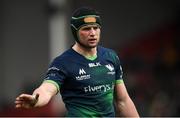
(35,99)
(36,96)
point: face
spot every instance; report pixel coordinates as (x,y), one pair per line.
(89,36)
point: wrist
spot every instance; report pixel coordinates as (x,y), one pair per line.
(35,98)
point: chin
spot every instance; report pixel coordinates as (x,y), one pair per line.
(91,46)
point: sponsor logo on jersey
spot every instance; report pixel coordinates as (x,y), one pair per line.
(81,71)
(99,88)
(111,69)
(94,64)
(82,75)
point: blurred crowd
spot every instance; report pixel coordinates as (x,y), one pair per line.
(152,71)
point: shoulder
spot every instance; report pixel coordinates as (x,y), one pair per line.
(106,51)
(109,54)
(68,54)
(65,56)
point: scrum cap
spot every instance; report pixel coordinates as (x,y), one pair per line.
(84,16)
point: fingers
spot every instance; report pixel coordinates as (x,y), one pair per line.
(25,97)
(20,101)
(26,100)
(19,104)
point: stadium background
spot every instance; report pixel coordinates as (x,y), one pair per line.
(144,33)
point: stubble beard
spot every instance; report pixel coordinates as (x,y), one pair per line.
(88,46)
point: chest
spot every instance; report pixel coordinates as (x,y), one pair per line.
(92,73)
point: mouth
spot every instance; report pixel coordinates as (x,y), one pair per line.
(92,40)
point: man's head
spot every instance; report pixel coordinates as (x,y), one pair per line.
(83,17)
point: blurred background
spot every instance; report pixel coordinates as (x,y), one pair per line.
(144,33)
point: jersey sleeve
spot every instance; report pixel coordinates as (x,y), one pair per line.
(119,75)
(55,74)
(119,71)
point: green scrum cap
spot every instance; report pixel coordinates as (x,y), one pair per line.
(84,16)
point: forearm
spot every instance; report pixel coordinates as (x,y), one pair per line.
(40,97)
(43,98)
(46,91)
(126,108)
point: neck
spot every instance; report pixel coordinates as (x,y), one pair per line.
(86,52)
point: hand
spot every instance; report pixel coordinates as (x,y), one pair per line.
(26,101)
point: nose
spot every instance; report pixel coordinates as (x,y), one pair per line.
(92,31)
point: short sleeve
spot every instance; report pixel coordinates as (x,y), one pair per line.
(119,71)
(55,74)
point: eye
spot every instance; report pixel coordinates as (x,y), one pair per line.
(95,27)
(90,28)
(87,28)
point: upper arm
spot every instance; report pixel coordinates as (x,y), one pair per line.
(56,74)
(123,103)
(121,93)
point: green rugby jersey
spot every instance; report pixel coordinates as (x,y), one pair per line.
(86,86)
